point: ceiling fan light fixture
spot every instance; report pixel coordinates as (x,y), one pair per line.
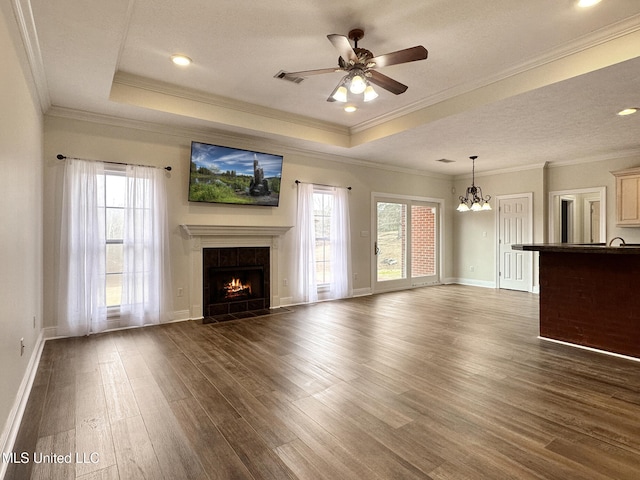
(181,60)
(627,111)
(369,93)
(587,3)
(341,94)
(357,85)
(350,108)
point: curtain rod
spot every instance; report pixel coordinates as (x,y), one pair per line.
(323,185)
(62,157)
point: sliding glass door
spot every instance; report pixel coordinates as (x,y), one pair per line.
(405,243)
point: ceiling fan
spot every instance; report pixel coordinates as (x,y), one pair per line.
(361,68)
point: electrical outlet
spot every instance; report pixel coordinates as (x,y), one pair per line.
(180,292)
(21,346)
(285,282)
(472,268)
(355,276)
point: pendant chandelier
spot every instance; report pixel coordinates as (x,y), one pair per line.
(474,200)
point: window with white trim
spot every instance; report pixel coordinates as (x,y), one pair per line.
(322,204)
(114,200)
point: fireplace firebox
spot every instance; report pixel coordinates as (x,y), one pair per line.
(232,284)
(235,280)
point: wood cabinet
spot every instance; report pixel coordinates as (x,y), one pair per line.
(627,197)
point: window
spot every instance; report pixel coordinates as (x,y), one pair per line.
(322,204)
(114,259)
(114,201)
(323,244)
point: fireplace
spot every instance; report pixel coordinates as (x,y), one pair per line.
(235,280)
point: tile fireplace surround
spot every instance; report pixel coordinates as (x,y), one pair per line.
(224,236)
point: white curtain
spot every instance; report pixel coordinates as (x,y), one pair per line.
(82,279)
(305,288)
(146,285)
(146,289)
(341,284)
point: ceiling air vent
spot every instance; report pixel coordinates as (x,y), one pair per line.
(445,160)
(292,78)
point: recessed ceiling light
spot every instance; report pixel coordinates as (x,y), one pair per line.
(350,108)
(181,60)
(587,3)
(627,111)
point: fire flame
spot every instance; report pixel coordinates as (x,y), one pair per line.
(235,287)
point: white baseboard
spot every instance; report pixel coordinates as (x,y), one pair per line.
(472,282)
(51,333)
(181,315)
(362,292)
(359,292)
(12,426)
(286,301)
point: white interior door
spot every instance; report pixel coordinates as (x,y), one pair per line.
(514,227)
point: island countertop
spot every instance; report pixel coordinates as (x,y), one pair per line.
(603,248)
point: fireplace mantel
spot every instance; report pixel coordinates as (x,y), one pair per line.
(234,230)
(223,236)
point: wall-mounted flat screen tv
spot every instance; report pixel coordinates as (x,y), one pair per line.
(234,176)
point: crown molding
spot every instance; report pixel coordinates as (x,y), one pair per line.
(502,171)
(244,141)
(236,140)
(24,20)
(622,154)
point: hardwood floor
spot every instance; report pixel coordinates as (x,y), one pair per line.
(445,382)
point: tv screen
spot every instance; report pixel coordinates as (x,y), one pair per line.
(234,176)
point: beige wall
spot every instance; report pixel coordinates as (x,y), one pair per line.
(597,174)
(21,220)
(473,249)
(474,233)
(470,239)
(87,139)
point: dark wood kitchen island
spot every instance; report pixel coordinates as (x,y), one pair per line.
(589,295)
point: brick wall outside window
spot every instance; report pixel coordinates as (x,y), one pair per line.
(423,241)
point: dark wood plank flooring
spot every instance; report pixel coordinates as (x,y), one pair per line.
(445,382)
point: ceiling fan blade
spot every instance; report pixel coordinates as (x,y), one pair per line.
(298,77)
(387,83)
(342,45)
(306,73)
(401,56)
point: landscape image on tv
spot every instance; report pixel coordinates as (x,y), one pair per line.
(230,175)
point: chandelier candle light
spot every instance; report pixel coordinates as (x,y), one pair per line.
(474,200)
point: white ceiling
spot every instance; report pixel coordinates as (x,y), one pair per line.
(515,82)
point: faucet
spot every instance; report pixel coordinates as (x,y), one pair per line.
(622,242)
